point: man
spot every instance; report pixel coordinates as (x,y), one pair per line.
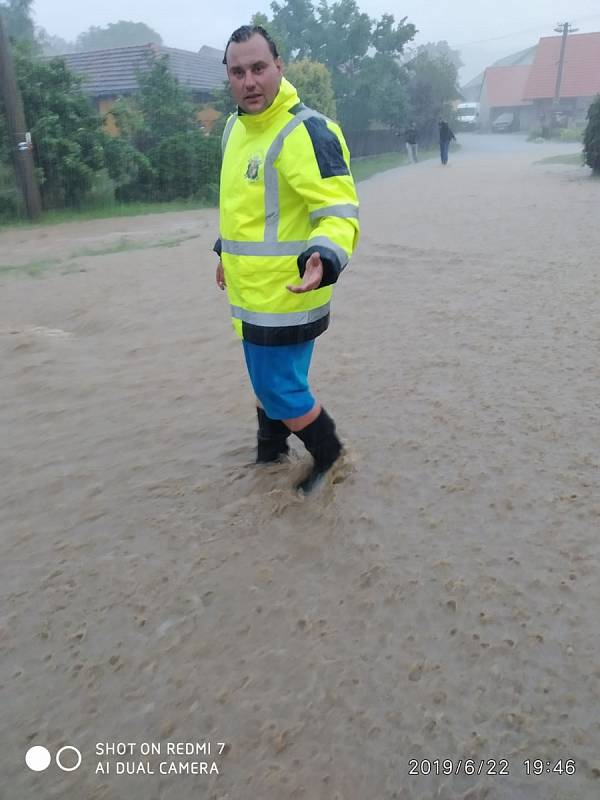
(289,224)
(446,136)
(411,142)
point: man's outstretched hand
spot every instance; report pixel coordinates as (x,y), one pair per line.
(220,276)
(313,275)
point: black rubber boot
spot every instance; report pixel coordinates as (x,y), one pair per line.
(272,438)
(321,441)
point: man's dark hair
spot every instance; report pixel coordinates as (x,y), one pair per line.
(246,32)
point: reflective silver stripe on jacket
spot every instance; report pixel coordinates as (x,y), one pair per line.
(226,133)
(292,248)
(325,241)
(346,210)
(270,246)
(267,320)
(271,179)
(236,248)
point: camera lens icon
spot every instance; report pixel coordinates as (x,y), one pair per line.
(38,758)
(73,750)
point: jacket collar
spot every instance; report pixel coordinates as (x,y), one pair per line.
(286,98)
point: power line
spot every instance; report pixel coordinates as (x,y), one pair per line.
(498,38)
(588,18)
(537,30)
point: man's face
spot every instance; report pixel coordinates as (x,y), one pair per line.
(254,75)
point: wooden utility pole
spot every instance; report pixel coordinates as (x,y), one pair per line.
(19,138)
(564,28)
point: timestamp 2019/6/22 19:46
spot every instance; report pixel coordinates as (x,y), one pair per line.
(489,766)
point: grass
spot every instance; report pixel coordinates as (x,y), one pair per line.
(120,210)
(125,244)
(36,268)
(106,211)
(120,246)
(367,166)
(572,159)
(32,268)
(362,168)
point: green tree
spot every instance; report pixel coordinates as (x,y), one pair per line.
(591,137)
(378,94)
(127,117)
(337,34)
(441,50)
(165,105)
(127,165)
(389,39)
(432,86)
(292,28)
(222,100)
(132,172)
(373,88)
(66,131)
(117,34)
(185,166)
(53,45)
(17,17)
(313,82)
(359,52)
(161,151)
(342,38)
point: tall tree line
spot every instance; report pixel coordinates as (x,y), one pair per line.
(359,70)
(376,78)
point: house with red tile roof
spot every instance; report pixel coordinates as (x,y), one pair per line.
(472,90)
(502,91)
(525,83)
(580,79)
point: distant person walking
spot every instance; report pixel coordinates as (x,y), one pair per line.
(446,136)
(412,145)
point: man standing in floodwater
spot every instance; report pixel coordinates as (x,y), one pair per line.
(446,136)
(289,224)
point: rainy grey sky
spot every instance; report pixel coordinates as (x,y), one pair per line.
(483,30)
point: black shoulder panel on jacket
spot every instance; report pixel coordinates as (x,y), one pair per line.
(327,147)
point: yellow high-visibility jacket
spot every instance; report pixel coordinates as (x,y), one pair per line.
(286,192)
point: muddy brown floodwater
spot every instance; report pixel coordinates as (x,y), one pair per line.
(439,600)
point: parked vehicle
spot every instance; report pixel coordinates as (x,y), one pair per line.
(505,122)
(467,116)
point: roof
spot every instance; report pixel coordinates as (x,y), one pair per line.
(504,86)
(113,72)
(196,70)
(522,57)
(581,73)
(206,50)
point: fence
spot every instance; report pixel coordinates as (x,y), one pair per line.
(373,143)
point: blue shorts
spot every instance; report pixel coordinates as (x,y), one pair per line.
(279,376)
